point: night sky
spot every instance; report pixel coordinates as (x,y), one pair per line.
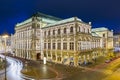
(102,13)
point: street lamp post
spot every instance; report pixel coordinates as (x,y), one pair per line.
(5,37)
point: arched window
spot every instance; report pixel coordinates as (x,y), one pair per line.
(71,29)
(88,31)
(53,45)
(49,32)
(38,25)
(71,45)
(53,32)
(103,35)
(84,29)
(64,30)
(79,29)
(45,33)
(58,31)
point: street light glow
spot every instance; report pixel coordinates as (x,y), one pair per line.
(44,60)
(5,36)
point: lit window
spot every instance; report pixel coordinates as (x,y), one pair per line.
(49,46)
(44,45)
(53,32)
(71,46)
(58,31)
(88,30)
(71,29)
(53,45)
(84,29)
(48,32)
(64,30)
(64,46)
(103,35)
(59,45)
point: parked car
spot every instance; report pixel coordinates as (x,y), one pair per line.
(107,61)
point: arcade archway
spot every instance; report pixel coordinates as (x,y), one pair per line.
(38,56)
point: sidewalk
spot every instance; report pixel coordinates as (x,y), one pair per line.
(100,62)
(53,71)
(114,76)
(37,70)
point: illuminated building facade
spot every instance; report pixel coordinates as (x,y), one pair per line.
(106,37)
(8,44)
(68,41)
(28,37)
(59,40)
(117,40)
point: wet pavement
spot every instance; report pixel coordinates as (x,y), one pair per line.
(52,71)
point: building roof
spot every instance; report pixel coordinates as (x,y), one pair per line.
(24,22)
(40,16)
(94,34)
(99,29)
(61,22)
(65,21)
(50,20)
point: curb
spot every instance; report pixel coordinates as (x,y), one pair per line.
(26,76)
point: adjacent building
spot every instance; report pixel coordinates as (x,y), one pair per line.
(117,42)
(106,37)
(8,44)
(106,40)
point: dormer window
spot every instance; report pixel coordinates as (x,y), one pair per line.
(103,35)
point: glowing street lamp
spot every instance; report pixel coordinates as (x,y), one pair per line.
(44,60)
(5,36)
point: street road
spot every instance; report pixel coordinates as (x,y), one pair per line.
(13,70)
(105,71)
(108,71)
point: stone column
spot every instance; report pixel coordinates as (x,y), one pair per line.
(75,59)
(56,57)
(61,57)
(51,44)
(33,56)
(47,54)
(61,44)
(51,56)
(21,54)
(55,51)
(75,44)
(56,45)
(68,45)
(46,48)
(28,54)
(84,57)
(51,47)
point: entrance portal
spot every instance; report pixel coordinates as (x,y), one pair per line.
(38,56)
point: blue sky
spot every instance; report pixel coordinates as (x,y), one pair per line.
(105,13)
